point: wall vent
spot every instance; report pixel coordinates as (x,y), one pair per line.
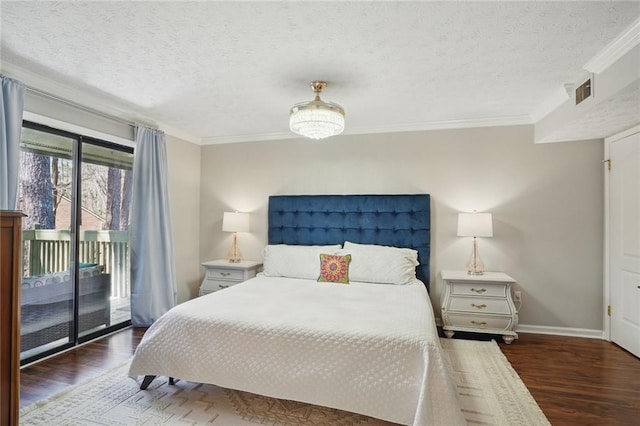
(583,91)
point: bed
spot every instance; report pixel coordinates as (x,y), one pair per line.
(369,346)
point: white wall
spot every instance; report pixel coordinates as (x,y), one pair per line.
(546,200)
(183,160)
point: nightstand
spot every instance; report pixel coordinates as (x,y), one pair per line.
(220,274)
(478,304)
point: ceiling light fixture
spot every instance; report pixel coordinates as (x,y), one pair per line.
(316,119)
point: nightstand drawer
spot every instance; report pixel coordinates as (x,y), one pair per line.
(225,274)
(210,286)
(480,322)
(480,305)
(478,289)
(220,274)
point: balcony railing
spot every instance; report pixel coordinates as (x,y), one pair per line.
(47,250)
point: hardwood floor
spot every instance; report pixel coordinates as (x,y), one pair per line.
(578,381)
(49,376)
(575,381)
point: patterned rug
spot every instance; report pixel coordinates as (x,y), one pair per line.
(491,393)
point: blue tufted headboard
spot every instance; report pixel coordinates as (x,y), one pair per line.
(390,220)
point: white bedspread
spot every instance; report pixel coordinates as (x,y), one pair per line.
(372,349)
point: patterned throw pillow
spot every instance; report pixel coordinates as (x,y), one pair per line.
(334,268)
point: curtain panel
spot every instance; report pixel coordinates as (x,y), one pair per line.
(153,284)
(12,107)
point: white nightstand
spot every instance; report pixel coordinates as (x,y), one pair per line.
(479,304)
(220,274)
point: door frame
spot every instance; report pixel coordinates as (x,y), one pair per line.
(76,157)
(607,237)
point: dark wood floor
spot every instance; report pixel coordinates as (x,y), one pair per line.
(575,381)
(47,377)
(578,381)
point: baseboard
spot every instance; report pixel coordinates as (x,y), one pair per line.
(557,331)
(561,331)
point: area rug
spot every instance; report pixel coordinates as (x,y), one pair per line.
(490,391)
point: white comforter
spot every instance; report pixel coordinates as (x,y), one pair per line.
(366,348)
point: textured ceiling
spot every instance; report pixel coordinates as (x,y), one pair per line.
(230,71)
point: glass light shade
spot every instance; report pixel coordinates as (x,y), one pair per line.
(316,119)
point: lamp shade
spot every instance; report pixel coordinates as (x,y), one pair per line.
(475,225)
(235,222)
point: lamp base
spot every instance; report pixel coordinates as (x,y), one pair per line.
(475,265)
(234,255)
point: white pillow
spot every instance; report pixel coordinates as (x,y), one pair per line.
(381,264)
(283,260)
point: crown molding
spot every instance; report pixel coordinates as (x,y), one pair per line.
(517,120)
(622,44)
(257,137)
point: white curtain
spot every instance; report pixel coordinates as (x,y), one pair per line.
(11,109)
(153,284)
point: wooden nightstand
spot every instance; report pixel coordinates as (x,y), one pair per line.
(220,274)
(478,304)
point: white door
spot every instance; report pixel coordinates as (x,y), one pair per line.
(624,222)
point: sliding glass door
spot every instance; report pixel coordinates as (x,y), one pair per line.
(46,179)
(104,232)
(75,192)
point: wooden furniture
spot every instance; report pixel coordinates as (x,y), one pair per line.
(10,239)
(478,304)
(220,274)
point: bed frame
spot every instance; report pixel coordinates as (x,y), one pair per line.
(391,220)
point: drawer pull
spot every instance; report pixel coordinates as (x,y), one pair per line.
(479,290)
(225,274)
(479,306)
(480,323)
(222,286)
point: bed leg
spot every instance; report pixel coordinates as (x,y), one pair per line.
(172,381)
(146,382)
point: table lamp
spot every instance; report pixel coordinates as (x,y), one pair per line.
(475,225)
(235,222)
